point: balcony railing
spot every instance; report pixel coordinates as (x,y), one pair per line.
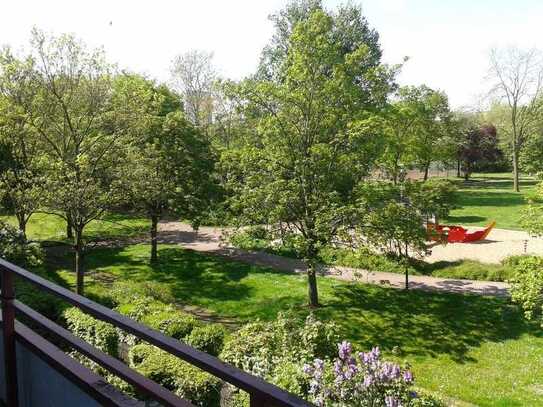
(15,333)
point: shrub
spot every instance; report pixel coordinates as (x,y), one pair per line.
(124,292)
(100,334)
(527,285)
(157,315)
(272,349)
(176,375)
(16,249)
(252,238)
(208,338)
(358,379)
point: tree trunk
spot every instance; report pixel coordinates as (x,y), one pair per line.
(154,242)
(516,186)
(406,267)
(69,227)
(79,271)
(458,169)
(312,285)
(426,171)
(22,220)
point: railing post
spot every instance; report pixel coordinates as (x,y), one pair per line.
(8,329)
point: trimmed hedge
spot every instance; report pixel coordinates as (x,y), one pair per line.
(176,375)
(208,338)
(157,315)
(100,334)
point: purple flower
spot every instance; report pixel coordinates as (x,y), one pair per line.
(407,376)
(344,350)
(391,402)
(308,369)
(368,380)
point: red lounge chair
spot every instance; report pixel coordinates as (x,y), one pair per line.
(458,234)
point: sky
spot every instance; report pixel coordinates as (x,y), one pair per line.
(447,41)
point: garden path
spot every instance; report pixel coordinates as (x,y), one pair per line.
(210,240)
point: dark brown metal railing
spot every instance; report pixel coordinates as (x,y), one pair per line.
(261,392)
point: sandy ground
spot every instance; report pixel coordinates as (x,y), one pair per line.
(499,244)
(209,240)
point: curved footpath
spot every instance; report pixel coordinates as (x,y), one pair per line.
(209,240)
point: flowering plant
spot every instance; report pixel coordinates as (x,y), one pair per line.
(359,379)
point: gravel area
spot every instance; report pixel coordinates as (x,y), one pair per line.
(499,244)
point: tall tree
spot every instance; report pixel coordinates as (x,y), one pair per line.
(193,75)
(518,78)
(20,172)
(415,128)
(67,104)
(350,31)
(169,165)
(314,140)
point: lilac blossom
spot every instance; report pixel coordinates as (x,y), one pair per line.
(362,379)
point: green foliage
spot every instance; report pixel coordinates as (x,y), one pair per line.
(157,315)
(532,215)
(100,334)
(207,338)
(314,130)
(277,350)
(527,286)
(433,198)
(185,380)
(15,248)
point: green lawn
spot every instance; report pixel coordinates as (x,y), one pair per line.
(487,197)
(475,349)
(47,227)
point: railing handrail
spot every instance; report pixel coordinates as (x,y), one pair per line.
(261,392)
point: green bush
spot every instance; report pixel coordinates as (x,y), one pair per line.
(100,334)
(16,249)
(176,375)
(527,285)
(157,315)
(252,238)
(266,348)
(207,338)
(125,292)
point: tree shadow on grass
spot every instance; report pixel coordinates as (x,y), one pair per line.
(424,324)
(417,322)
(490,198)
(497,183)
(459,220)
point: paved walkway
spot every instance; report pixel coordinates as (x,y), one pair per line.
(208,239)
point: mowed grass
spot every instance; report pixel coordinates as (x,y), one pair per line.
(49,227)
(475,349)
(488,197)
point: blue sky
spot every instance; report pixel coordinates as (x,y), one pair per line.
(447,41)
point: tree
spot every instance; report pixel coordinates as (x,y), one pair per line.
(389,218)
(350,31)
(315,140)
(478,144)
(20,180)
(193,75)
(169,163)
(66,101)
(518,78)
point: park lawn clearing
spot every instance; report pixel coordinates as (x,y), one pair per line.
(50,227)
(488,197)
(471,348)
